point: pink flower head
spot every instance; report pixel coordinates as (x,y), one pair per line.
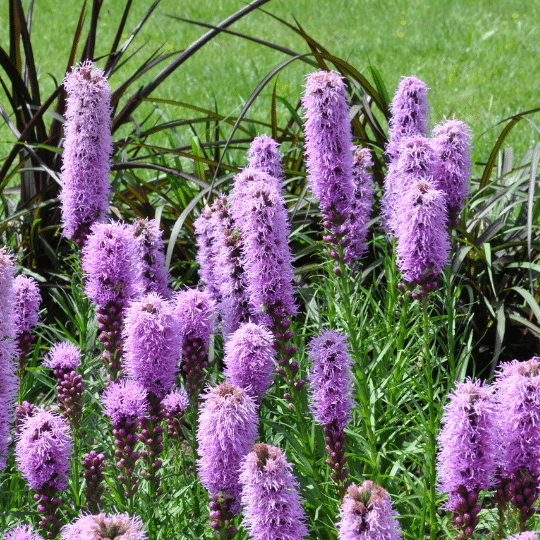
(43,450)
(176,402)
(97,527)
(23,532)
(27,301)
(65,355)
(367,514)
(330,378)
(108,264)
(328,139)
(529,535)
(196,313)
(153,274)
(249,359)
(152,339)
(264,156)
(270,497)
(467,453)
(7,295)
(125,400)
(87,150)
(226,432)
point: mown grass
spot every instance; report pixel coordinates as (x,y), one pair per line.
(478,57)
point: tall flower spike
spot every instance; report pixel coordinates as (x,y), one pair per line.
(23,532)
(249,359)
(270,497)
(226,432)
(452,143)
(361,207)
(87,151)
(175,405)
(263,155)
(367,514)
(120,526)
(42,453)
(153,274)
(93,465)
(466,458)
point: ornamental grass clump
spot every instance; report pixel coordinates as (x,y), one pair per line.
(331,388)
(42,452)
(466,458)
(226,432)
(367,514)
(270,496)
(87,151)
(105,526)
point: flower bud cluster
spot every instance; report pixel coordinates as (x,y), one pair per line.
(110,334)
(93,465)
(465,511)
(174,407)
(335,446)
(221,514)
(27,301)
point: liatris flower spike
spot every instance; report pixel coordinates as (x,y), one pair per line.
(125,403)
(153,274)
(23,532)
(87,151)
(270,497)
(64,359)
(517,387)
(93,465)
(466,459)
(249,359)
(111,282)
(367,514)
(227,431)
(174,407)
(196,313)
(331,386)
(42,453)
(452,143)
(524,536)
(27,301)
(263,155)
(103,526)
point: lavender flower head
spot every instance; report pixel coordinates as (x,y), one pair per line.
(367,514)
(176,402)
(226,432)
(422,237)
(153,274)
(27,301)
(7,295)
(102,526)
(452,143)
(152,343)
(87,150)
(330,378)
(65,355)
(409,109)
(264,156)
(196,312)
(328,139)
(466,441)
(43,450)
(23,532)
(249,359)
(109,265)
(270,497)
(529,535)
(125,400)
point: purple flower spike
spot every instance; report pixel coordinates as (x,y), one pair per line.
(120,526)
(524,536)
(270,497)
(23,532)
(153,274)
(175,406)
(226,432)
(249,359)
(422,237)
(27,301)
(65,355)
(87,151)
(367,514)
(452,143)
(361,207)
(264,156)
(123,400)
(328,140)
(93,465)
(466,459)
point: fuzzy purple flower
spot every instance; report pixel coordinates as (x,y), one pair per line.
(101,526)
(328,140)
(23,532)
(227,431)
(27,301)
(270,497)
(175,405)
(125,400)
(525,536)
(64,355)
(249,359)
(263,155)
(452,144)
(361,207)
(153,274)
(367,514)
(87,151)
